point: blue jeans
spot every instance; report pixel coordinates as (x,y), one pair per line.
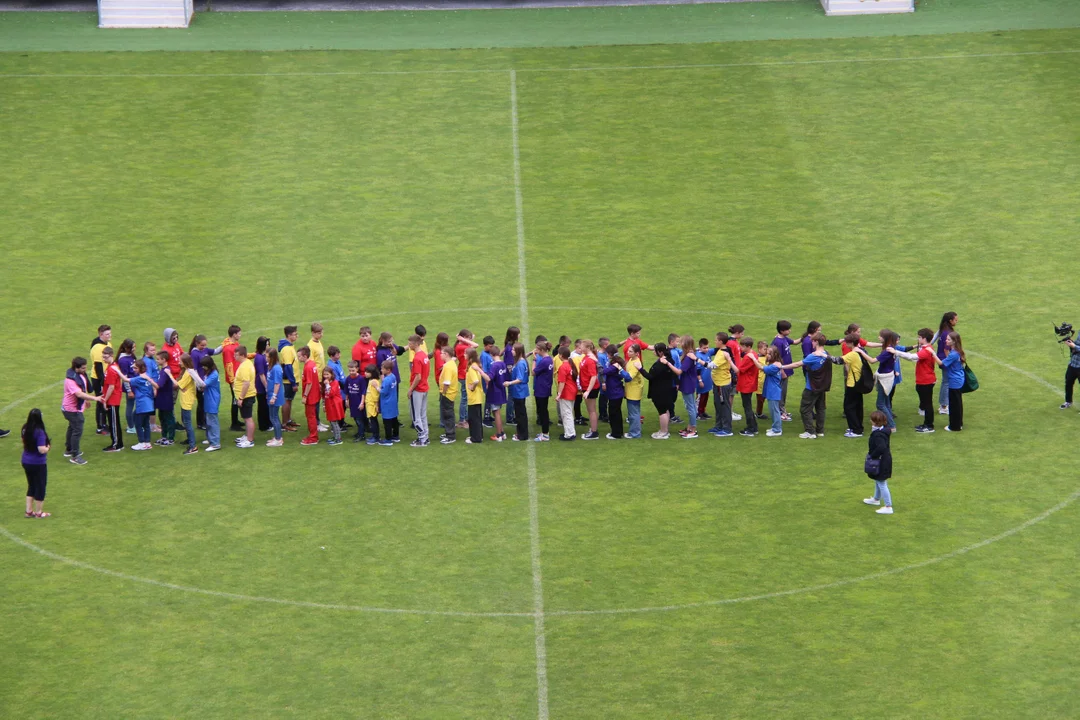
(881,492)
(129,412)
(690,401)
(142,427)
(633,414)
(213,430)
(275,421)
(884,404)
(943,394)
(463,410)
(189,427)
(774,413)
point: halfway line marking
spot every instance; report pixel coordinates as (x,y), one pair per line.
(530,450)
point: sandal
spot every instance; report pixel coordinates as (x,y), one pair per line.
(42,515)
(30,515)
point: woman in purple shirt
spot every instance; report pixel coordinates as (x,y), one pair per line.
(36,446)
(886,375)
(948,325)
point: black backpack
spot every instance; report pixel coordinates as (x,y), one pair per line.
(866,381)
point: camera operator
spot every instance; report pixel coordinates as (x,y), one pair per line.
(1072,373)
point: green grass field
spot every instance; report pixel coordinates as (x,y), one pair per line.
(881,181)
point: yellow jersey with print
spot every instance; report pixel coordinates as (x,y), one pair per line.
(448,381)
(852,368)
(635,387)
(474,395)
(245,372)
(187,391)
(721,374)
(318,355)
(371,400)
(287,356)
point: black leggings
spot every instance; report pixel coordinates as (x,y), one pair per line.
(853,409)
(926,404)
(956,410)
(36,478)
(748,411)
(476,423)
(391,426)
(1072,374)
(615,416)
(542,416)
(521,417)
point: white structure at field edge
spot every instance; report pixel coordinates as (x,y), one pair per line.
(145,13)
(867,7)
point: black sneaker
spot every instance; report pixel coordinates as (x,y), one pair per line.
(747,433)
(4,433)
(77,460)
(567,439)
(924,429)
(591,436)
(1062,406)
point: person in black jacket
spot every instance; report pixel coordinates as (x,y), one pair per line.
(662,388)
(879,450)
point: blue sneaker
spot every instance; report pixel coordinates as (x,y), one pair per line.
(386,443)
(372,441)
(723,433)
(712,431)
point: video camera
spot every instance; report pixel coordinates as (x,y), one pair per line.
(1064,331)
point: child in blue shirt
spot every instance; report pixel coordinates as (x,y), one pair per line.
(518,389)
(333,353)
(211,403)
(773,391)
(388,403)
(705,387)
(603,359)
(355,391)
(144,388)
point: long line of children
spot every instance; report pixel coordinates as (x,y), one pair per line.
(489,385)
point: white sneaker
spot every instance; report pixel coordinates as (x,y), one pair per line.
(661,436)
(213,448)
(245,444)
(884,511)
(807,436)
(141,446)
(922,412)
(323,428)
(770,433)
(852,434)
(871,501)
(275,443)
(736,417)
(944,410)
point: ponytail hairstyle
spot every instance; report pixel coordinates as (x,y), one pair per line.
(519,351)
(811,329)
(588,347)
(853,329)
(194,342)
(736,329)
(564,353)
(34,422)
(957,345)
(512,334)
(128,346)
(946,325)
(888,338)
(661,350)
(271,358)
(543,347)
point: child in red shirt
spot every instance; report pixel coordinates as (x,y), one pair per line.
(112,390)
(567,393)
(747,383)
(464,343)
(311,393)
(335,407)
(925,379)
(363,351)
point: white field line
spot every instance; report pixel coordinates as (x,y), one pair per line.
(1030,375)
(839,583)
(538,612)
(15,403)
(244,598)
(592,68)
(530,450)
